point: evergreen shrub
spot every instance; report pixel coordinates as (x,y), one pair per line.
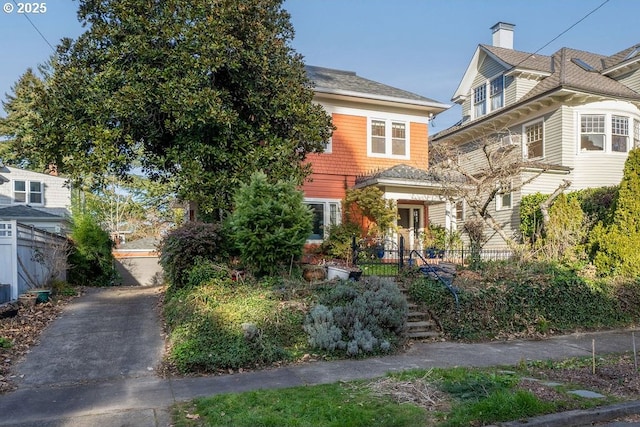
(270,224)
(183,246)
(355,318)
(90,260)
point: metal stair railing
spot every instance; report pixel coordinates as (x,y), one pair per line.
(426,266)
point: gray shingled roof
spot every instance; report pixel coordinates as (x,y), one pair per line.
(521,60)
(405,172)
(23,211)
(336,81)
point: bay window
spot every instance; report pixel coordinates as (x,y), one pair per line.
(592,135)
(619,134)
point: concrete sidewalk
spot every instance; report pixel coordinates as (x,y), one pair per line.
(95,365)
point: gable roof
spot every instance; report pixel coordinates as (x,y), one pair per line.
(565,70)
(348,83)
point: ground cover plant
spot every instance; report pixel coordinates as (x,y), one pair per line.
(448,397)
(220,324)
(506,300)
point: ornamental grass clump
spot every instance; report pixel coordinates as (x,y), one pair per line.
(358,318)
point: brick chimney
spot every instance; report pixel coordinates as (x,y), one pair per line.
(503,35)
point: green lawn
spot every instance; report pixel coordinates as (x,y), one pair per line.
(436,397)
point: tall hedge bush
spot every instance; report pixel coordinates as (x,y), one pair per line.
(91,260)
(269,224)
(183,246)
(617,248)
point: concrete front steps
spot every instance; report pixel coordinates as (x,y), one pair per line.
(420,326)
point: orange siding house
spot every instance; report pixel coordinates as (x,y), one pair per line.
(381,139)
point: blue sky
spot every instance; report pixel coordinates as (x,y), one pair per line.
(423,46)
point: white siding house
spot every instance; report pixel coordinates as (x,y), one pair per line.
(36,199)
(576,112)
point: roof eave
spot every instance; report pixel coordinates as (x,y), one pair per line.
(434,107)
(487,118)
(398,182)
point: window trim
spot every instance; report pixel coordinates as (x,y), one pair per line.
(525,139)
(501,93)
(500,206)
(608,117)
(388,138)
(480,102)
(326,220)
(27,192)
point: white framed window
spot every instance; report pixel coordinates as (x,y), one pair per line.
(328,147)
(20,191)
(479,101)
(619,134)
(388,138)
(5,230)
(592,133)
(496,93)
(504,198)
(534,140)
(636,133)
(459,210)
(326,212)
(609,133)
(28,192)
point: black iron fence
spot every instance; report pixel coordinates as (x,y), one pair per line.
(387,258)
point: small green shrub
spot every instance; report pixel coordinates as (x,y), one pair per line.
(5,343)
(338,244)
(91,259)
(182,246)
(205,270)
(270,224)
(358,317)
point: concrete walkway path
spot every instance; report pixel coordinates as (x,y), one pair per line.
(95,365)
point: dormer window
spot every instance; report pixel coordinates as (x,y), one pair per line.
(496,90)
(479,101)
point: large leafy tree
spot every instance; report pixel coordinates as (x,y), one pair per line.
(18,128)
(204,92)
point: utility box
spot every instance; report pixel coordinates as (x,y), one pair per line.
(5,292)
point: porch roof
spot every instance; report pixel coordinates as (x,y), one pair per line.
(402,175)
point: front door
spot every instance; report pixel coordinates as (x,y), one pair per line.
(410,225)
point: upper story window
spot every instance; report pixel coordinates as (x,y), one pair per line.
(388,138)
(495,88)
(27,192)
(496,91)
(534,140)
(328,147)
(607,133)
(479,101)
